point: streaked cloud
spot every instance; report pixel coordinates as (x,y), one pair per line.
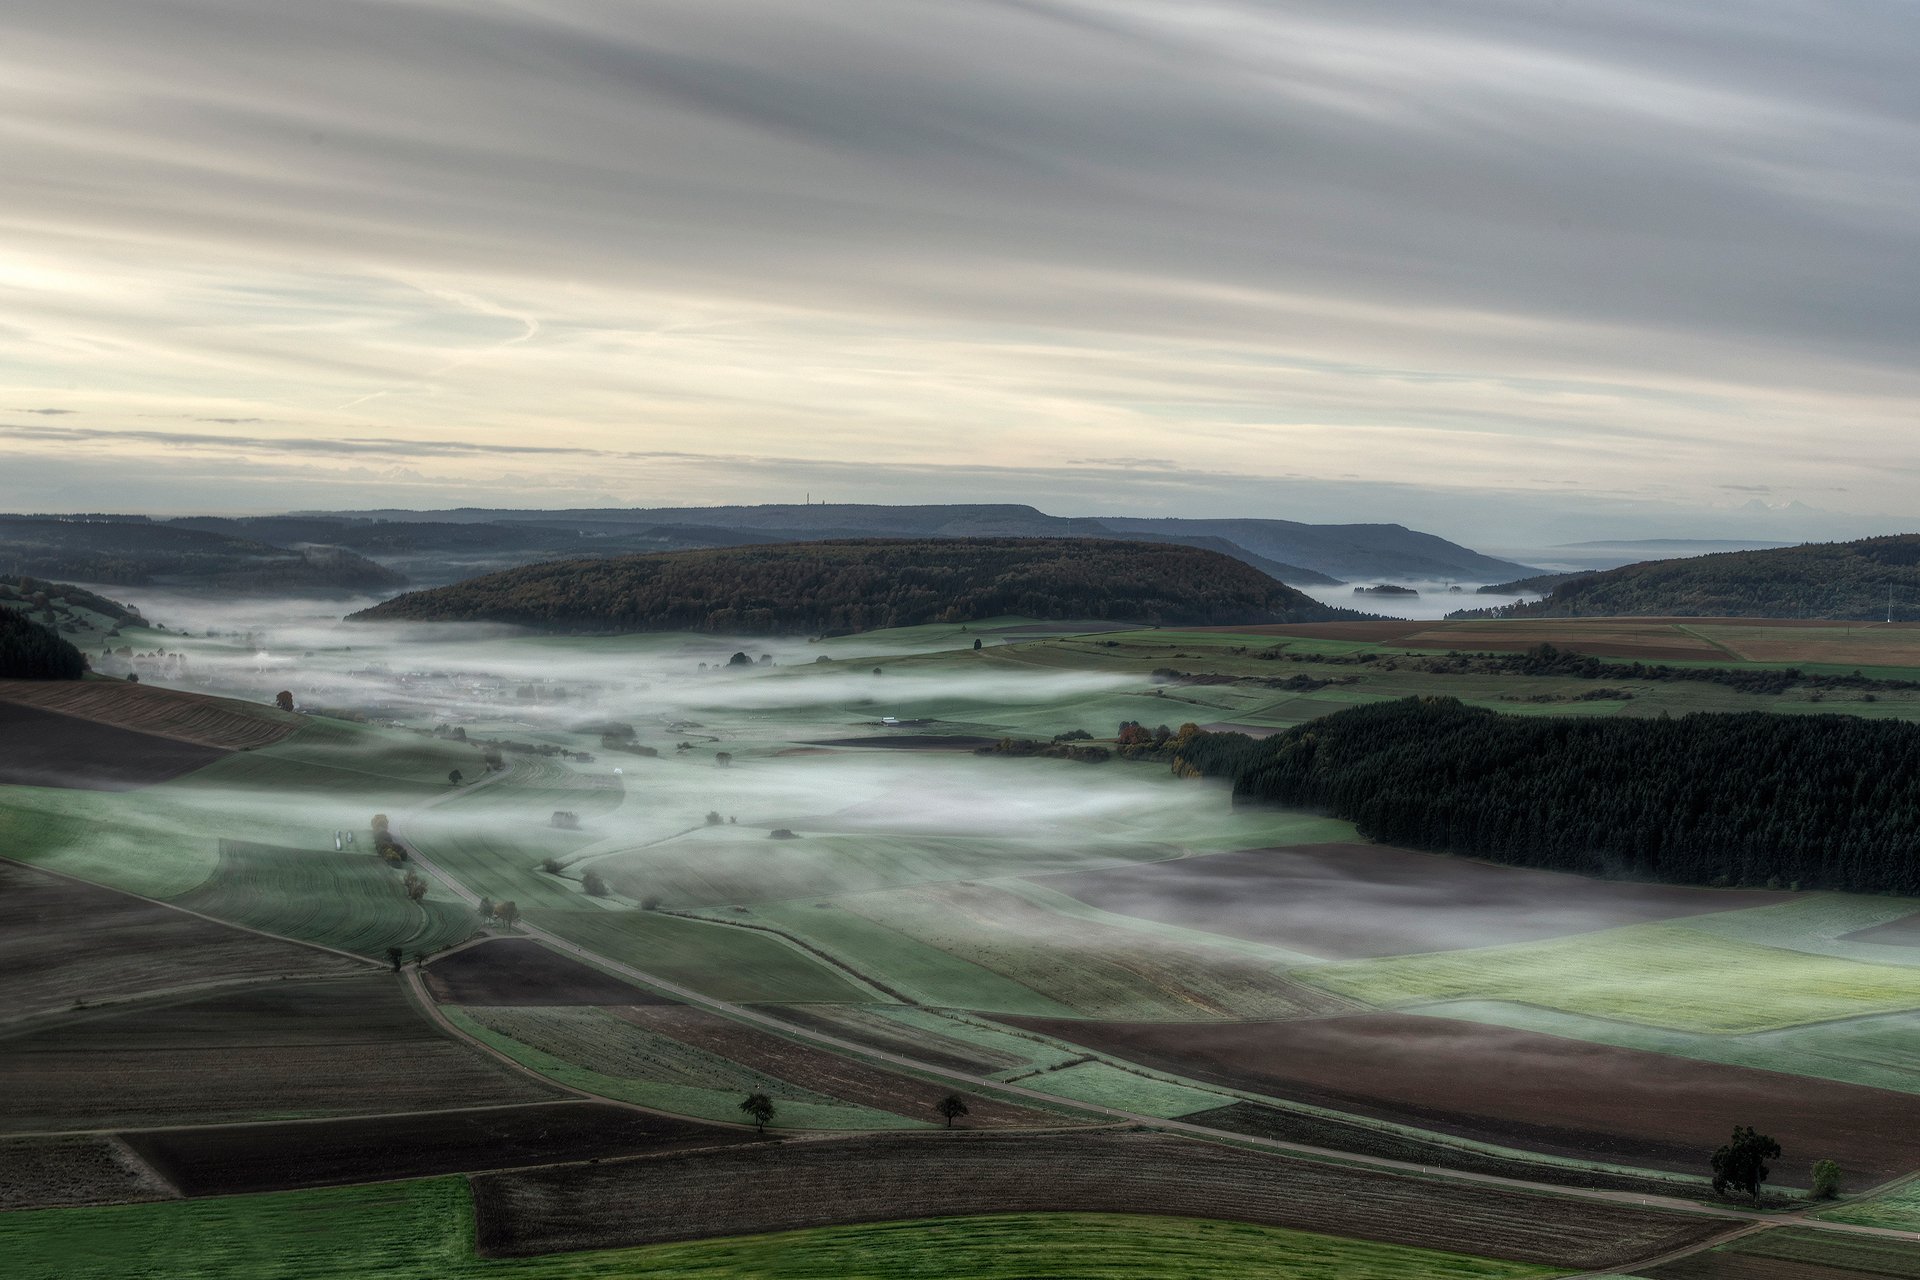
(1665,252)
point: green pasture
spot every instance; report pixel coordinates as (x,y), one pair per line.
(354,901)
(1897,1210)
(163,840)
(924,972)
(722,961)
(590,1049)
(408,1230)
(1788,1251)
(1660,975)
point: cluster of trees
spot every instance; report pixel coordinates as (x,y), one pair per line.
(1818,580)
(759,1108)
(505,912)
(30,651)
(819,587)
(1725,799)
(1552,661)
(384,843)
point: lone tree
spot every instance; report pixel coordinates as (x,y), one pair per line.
(284,699)
(723,758)
(486,908)
(759,1109)
(1742,1163)
(739,660)
(394,956)
(593,885)
(976,644)
(454,776)
(415,886)
(1826,1179)
(951,1108)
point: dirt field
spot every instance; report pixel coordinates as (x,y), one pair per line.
(67,941)
(1351,901)
(51,1173)
(1798,1253)
(776,1187)
(274,1050)
(43,749)
(231,1159)
(168,713)
(519,971)
(1528,1091)
(824,1072)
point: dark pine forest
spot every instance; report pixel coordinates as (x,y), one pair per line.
(1719,799)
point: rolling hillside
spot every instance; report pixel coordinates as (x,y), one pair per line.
(1854,580)
(797,588)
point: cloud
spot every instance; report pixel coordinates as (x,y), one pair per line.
(1479,246)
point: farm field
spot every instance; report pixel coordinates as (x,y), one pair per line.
(1357,900)
(45,1173)
(44,749)
(353,901)
(408,1230)
(727,962)
(276,1050)
(228,1159)
(1520,1090)
(1096,969)
(1880,1052)
(67,941)
(1798,1254)
(520,971)
(1896,1210)
(760,1187)
(225,724)
(1663,975)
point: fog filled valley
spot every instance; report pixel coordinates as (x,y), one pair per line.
(564,903)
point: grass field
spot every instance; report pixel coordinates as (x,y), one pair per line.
(1898,1210)
(1662,975)
(1800,1253)
(727,962)
(353,901)
(410,1230)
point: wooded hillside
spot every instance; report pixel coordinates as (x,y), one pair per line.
(1818,580)
(858,585)
(29,651)
(1749,799)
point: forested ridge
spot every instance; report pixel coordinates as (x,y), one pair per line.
(29,651)
(1743,799)
(862,584)
(1818,580)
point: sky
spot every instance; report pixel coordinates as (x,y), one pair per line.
(1515,272)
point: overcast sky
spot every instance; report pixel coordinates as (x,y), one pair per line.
(1507,270)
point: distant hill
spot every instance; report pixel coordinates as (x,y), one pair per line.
(134,551)
(862,584)
(31,651)
(1816,580)
(1296,553)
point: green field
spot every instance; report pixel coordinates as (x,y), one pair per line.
(354,901)
(1897,1210)
(725,962)
(1662,975)
(411,1230)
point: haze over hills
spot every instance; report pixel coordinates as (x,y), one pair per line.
(864,584)
(1866,579)
(1296,553)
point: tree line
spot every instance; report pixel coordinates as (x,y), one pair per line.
(30,651)
(1752,798)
